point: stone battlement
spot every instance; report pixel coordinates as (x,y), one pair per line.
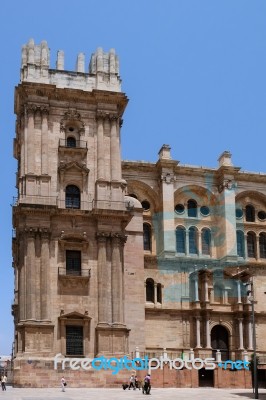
(103,69)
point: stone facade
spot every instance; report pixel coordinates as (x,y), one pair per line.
(116,258)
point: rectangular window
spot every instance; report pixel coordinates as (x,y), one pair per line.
(74,340)
(73,262)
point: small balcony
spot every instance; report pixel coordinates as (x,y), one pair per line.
(73,281)
(74,148)
(76,144)
(77,273)
(40,201)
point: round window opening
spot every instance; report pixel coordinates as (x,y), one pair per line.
(179,208)
(204,210)
(239,213)
(146,205)
(262,215)
(71,129)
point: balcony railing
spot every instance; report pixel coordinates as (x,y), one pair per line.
(78,144)
(111,205)
(35,200)
(84,272)
(73,205)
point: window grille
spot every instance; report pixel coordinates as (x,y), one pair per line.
(180,240)
(159,293)
(74,340)
(71,141)
(262,240)
(192,240)
(150,290)
(73,262)
(147,237)
(250,213)
(72,197)
(251,244)
(206,241)
(240,244)
(192,208)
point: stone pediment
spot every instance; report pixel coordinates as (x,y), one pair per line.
(74,315)
(73,165)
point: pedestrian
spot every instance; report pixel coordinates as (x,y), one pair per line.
(137,382)
(132,382)
(63,384)
(3,382)
(147,384)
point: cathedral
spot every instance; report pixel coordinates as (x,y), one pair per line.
(121,258)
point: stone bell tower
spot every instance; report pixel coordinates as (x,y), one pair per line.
(70,214)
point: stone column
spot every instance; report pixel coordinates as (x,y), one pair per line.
(44,141)
(187,242)
(240,326)
(257,247)
(206,288)
(198,345)
(250,335)
(199,243)
(30,141)
(155,293)
(86,337)
(45,278)
(103,300)
(100,148)
(117,281)
(63,336)
(208,336)
(196,287)
(115,151)
(22,287)
(30,276)
(239,301)
(245,246)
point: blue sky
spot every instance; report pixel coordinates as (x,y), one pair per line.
(194,72)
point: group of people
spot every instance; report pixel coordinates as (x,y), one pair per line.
(134,383)
(3,382)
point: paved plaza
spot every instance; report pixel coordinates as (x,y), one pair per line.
(116,394)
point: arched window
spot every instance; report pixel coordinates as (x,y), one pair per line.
(192,240)
(147,237)
(220,341)
(192,208)
(250,213)
(72,197)
(71,141)
(251,244)
(150,290)
(206,241)
(240,244)
(180,240)
(262,241)
(159,293)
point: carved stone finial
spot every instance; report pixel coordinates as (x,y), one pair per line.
(164,153)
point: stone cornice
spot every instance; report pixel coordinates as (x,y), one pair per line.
(27,92)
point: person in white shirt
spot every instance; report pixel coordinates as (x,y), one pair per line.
(63,384)
(3,382)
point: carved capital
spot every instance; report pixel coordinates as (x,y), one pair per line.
(101,116)
(30,232)
(167,178)
(102,236)
(113,118)
(118,238)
